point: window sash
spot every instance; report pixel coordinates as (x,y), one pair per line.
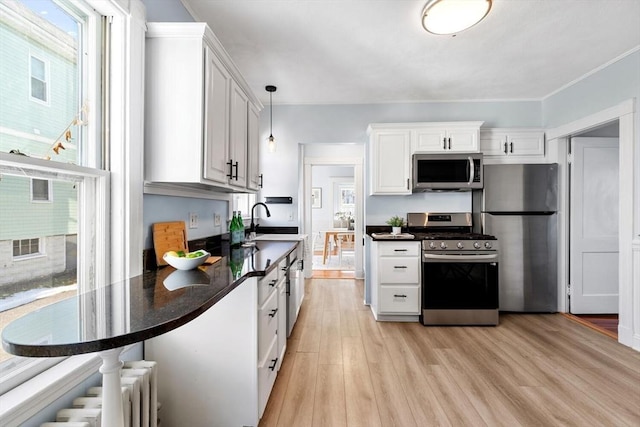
(41,190)
(38,81)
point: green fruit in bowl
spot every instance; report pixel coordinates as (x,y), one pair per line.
(195,254)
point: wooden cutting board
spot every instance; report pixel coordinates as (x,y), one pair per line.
(169,236)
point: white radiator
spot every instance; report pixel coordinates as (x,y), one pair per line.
(139,400)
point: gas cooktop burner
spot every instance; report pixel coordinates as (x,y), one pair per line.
(444,235)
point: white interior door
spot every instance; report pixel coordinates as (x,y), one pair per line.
(594,225)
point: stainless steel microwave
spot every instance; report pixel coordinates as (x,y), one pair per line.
(451,171)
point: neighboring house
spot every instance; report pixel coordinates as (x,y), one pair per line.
(38,101)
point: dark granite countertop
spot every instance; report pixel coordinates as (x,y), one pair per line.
(139,308)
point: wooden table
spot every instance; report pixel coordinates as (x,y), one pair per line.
(327,235)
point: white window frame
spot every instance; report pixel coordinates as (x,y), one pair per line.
(49,198)
(123,258)
(46,80)
(30,254)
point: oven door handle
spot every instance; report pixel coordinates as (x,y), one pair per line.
(454,258)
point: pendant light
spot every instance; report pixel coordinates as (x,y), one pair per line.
(452,16)
(271,142)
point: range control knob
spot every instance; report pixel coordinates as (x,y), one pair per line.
(476,245)
(443,245)
(432,245)
(487,245)
(460,245)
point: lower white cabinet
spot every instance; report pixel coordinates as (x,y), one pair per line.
(395,285)
(219,369)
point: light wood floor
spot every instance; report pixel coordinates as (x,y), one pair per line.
(342,368)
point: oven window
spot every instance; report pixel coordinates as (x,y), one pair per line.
(460,285)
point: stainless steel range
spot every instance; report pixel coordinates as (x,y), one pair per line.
(459,270)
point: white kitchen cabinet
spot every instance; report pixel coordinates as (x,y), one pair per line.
(197,113)
(254,178)
(513,145)
(396,286)
(390,160)
(446,137)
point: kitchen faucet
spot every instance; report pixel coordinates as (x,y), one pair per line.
(252,227)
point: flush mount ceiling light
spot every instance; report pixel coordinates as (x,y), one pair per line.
(271,142)
(452,16)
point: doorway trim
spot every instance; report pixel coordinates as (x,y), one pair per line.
(305,188)
(629,292)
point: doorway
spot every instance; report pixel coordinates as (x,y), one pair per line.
(624,114)
(332,220)
(593,243)
(338,190)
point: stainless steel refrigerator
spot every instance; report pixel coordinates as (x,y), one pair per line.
(519,207)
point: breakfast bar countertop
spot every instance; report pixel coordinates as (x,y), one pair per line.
(139,308)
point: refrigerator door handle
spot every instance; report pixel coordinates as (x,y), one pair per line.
(471,171)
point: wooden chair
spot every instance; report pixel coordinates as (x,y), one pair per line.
(345,242)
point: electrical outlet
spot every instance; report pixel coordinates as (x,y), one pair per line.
(217,221)
(193,220)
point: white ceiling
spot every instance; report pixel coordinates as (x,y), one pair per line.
(375,51)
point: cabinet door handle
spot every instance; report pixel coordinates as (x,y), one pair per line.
(511,147)
(399,296)
(399,266)
(236,175)
(449,143)
(230,164)
(273,312)
(261,180)
(274,362)
(505,148)
(400,250)
(444,143)
(273,282)
(407,183)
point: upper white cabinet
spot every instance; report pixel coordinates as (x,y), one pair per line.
(201,121)
(446,137)
(390,160)
(254,179)
(513,145)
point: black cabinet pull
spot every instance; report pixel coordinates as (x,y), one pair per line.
(274,362)
(236,175)
(505,148)
(444,143)
(230,164)
(273,282)
(511,147)
(449,143)
(399,266)
(261,178)
(399,296)
(273,312)
(400,250)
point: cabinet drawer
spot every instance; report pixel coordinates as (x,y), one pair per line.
(267,285)
(267,323)
(399,249)
(267,372)
(400,299)
(399,270)
(282,266)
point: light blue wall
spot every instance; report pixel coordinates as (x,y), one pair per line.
(606,88)
(166,208)
(327,124)
(166,11)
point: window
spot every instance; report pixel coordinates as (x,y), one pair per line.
(26,247)
(57,141)
(40,190)
(243,203)
(38,81)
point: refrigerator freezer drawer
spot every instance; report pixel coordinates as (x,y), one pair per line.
(528,279)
